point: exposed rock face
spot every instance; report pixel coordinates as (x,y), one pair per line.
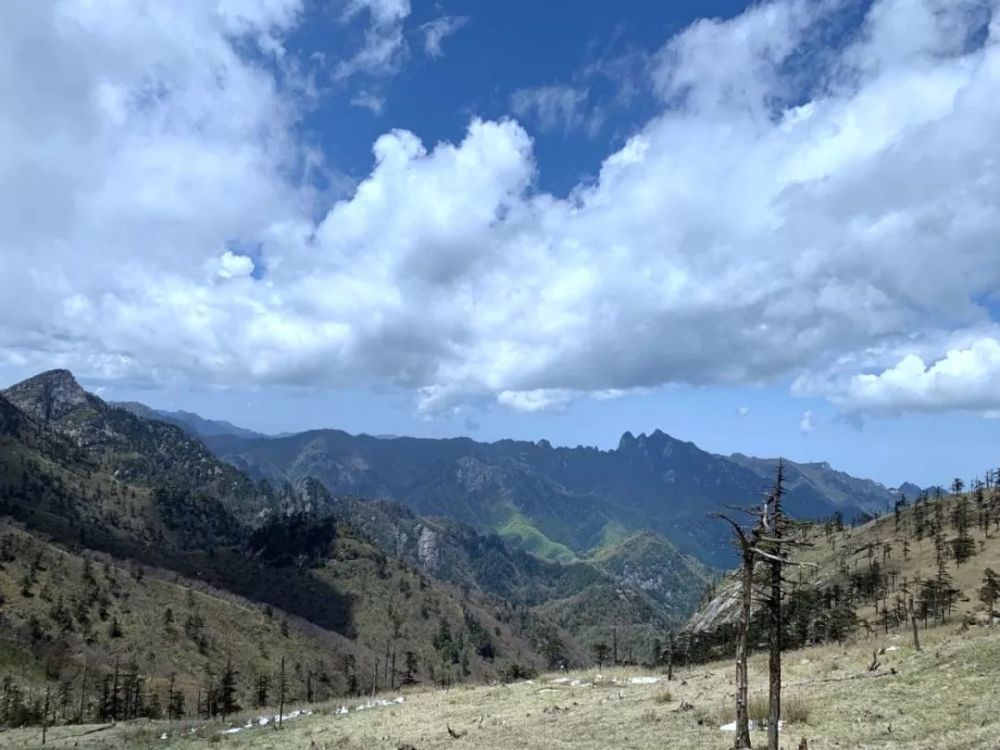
(49,396)
(722,609)
(429,549)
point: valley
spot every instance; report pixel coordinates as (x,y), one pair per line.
(123,529)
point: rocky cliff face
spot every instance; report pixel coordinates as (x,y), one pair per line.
(51,397)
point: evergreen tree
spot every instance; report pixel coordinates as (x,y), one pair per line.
(600,651)
(989,592)
(227,690)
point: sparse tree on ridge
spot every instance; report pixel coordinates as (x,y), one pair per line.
(600,651)
(989,592)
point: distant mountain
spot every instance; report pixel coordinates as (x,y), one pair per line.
(362,581)
(188,421)
(559,503)
(655,586)
(841,489)
(188,497)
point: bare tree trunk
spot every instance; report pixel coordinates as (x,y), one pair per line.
(774,661)
(913,624)
(281,694)
(45,714)
(114,695)
(670,657)
(742,714)
(83,692)
(774,526)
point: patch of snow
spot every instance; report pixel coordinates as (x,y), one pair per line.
(342,710)
(380,704)
(163,736)
(644,680)
(233,730)
(731,726)
(560,680)
(893,648)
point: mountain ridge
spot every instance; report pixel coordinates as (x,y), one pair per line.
(555,501)
(98,479)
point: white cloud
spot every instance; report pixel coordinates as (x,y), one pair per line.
(367,100)
(385,44)
(437,30)
(540,399)
(743,411)
(962,379)
(557,108)
(806,423)
(232,265)
(734,238)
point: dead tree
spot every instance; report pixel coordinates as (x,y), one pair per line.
(746,543)
(774,544)
(774,524)
(281,694)
(768,542)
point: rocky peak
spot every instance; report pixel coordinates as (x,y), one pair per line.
(48,396)
(627,441)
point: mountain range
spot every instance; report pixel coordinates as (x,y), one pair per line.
(419,559)
(222,567)
(558,503)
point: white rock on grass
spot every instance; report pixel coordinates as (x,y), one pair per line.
(731,726)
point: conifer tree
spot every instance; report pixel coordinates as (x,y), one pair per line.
(989,592)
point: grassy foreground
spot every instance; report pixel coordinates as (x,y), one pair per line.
(942,697)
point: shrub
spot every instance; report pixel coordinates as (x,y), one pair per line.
(663,696)
(649,716)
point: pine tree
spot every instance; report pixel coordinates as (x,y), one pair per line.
(989,592)
(227,690)
(261,686)
(600,651)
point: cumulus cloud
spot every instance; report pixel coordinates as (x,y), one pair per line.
(437,30)
(557,107)
(232,265)
(743,411)
(806,423)
(758,227)
(963,379)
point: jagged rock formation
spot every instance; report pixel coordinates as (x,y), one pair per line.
(560,503)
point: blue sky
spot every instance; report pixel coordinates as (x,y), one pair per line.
(499,49)
(767,228)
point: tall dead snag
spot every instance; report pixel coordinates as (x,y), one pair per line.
(774,543)
(745,542)
(774,523)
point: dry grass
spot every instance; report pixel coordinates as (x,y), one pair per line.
(942,698)
(794,709)
(662,697)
